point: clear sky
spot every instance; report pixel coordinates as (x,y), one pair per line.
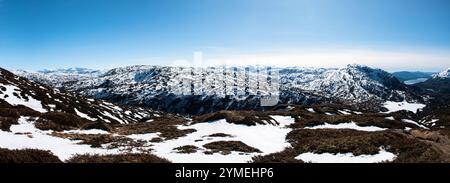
(390,34)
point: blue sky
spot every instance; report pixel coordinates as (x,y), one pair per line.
(390,34)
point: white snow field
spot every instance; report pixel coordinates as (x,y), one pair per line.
(14,100)
(350,125)
(398,106)
(382,156)
(26,136)
(267,138)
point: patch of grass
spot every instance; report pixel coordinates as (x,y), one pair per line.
(27,156)
(165,126)
(58,121)
(249,118)
(156,139)
(408,149)
(9,112)
(120,158)
(369,119)
(187,149)
(97,125)
(285,156)
(6,122)
(219,135)
(228,146)
(97,140)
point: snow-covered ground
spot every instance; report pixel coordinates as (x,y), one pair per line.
(382,156)
(267,138)
(88,132)
(26,136)
(85,116)
(350,125)
(398,106)
(14,100)
(413,122)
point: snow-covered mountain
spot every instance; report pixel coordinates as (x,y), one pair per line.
(59,77)
(202,90)
(29,97)
(443,75)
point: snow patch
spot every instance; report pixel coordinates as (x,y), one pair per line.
(87,132)
(350,125)
(147,136)
(83,115)
(14,100)
(413,122)
(38,139)
(381,156)
(344,112)
(267,138)
(398,106)
(390,118)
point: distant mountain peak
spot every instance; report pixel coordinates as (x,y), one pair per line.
(443,74)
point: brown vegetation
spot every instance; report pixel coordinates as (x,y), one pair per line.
(121,158)
(187,149)
(59,121)
(97,140)
(219,135)
(166,126)
(27,156)
(249,118)
(6,122)
(408,149)
(225,147)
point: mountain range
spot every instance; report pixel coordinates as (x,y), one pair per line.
(159,87)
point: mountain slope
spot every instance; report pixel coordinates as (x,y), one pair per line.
(20,94)
(439,83)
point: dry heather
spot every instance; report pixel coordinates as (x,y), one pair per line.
(27,156)
(187,149)
(59,121)
(249,118)
(6,122)
(225,147)
(219,135)
(121,158)
(407,148)
(106,140)
(167,126)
